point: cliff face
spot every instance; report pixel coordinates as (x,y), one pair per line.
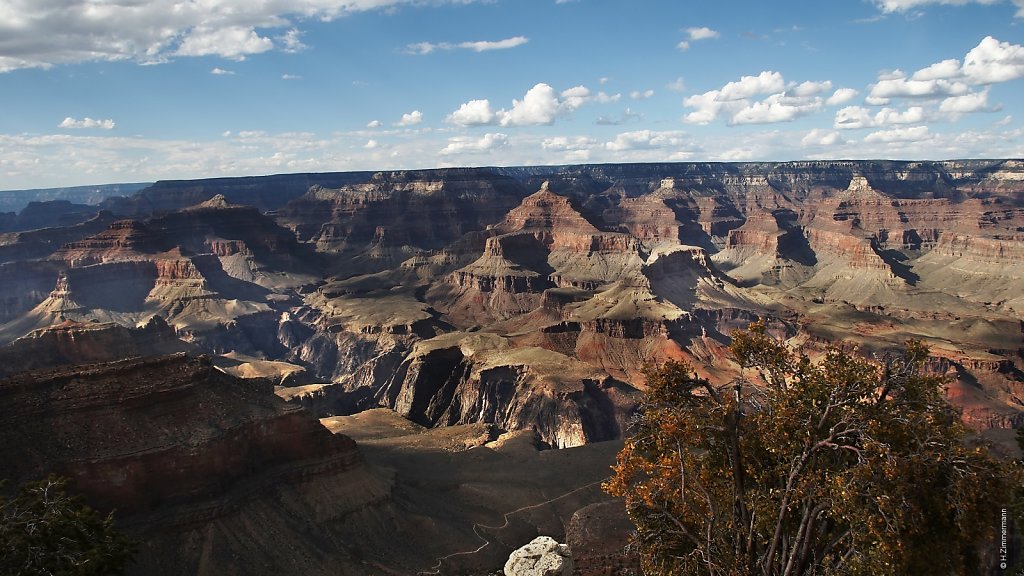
(376,285)
(185,452)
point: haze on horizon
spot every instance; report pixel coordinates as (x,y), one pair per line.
(98,91)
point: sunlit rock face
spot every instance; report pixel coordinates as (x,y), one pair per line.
(533,297)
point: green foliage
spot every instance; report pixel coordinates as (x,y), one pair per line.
(840,466)
(44,530)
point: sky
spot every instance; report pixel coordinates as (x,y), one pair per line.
(105,91)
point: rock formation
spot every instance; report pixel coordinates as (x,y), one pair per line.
(543,556)
(531,297)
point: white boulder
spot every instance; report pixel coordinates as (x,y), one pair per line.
(541,557)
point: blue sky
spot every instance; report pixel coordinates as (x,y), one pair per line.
(99,91)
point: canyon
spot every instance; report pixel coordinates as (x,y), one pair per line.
(461,317)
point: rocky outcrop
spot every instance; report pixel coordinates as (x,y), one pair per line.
(186,453)
(71,343)
(543,556)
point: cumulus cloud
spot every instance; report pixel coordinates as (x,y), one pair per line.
(374,124)
(565,143)
(72,123)
(472,113)
(235,42)
(695,34)
(540,106)
(646,140)
(221,72)
(411,119)
(976,102)
(903,87)
(809,88)
(423,48)
(766,82)
(910,134)
(781,101)
(776,108)
(462,145)
(841,96)
(155,30)
(821,137)
(641,95)
(854,117)
(992,61)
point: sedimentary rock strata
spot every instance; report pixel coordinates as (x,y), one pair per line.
(528,297)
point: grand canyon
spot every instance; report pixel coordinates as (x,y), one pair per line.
(291,373)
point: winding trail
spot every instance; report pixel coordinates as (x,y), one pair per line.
(436,571)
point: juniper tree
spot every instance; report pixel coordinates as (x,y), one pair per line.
(840,466)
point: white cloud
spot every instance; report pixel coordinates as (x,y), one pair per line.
(767,82)
(290,77)
(371,144)
(776,108)
(889,116)
(86,122)
(40,34)
(374,124)
(641,95)
(473,113)
(707,105)
(809,88)
(539,106)
(905,5)
(783,102)
(484,46)
(646,140)
(235,42)
(854,117)
(912,134)
(841,96)
(701,33)
(291,41)
(423,48)
(992,61)
(945,70)
(957,105)
(411,119)
(564,143)
(462,145)
(903,87)
(696,34)
(820,137)
(221,72)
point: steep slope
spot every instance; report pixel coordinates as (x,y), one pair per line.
(193,459)
(364,286)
